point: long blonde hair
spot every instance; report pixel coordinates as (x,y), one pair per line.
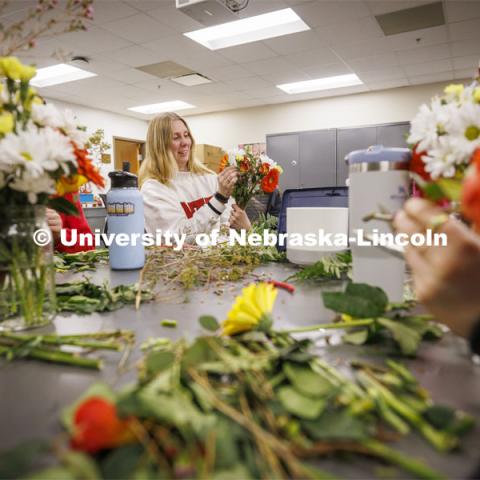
(159,162)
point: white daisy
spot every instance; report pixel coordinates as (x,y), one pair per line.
(441,160)
(33,185)
(464,130)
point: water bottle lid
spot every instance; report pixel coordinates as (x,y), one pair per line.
(122,179)
(378,153)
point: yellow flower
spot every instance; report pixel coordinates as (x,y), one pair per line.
(11,67)
(476,94)
(70,184)
(279,168)
(455,89)
(250,308)
(27,73)
(6,123)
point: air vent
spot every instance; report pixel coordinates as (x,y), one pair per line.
(410,19)
(191,80)
(166,69)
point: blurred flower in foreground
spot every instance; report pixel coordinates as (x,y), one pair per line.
(251,310)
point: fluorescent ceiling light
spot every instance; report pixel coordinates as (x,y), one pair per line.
(326,83)
(172,106)
(252,29)
(56,74)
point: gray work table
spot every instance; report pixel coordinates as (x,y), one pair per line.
(32,394)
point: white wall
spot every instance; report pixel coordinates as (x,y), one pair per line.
(113,124)
(250,125)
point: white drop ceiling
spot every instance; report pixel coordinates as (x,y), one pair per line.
(344,38)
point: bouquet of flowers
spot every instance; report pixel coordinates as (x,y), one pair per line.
(42,154)
(446,155)
(42,157)
(257,173)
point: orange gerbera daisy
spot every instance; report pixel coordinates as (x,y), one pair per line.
(270,181)
(223,163)
(87,168)
(264,168)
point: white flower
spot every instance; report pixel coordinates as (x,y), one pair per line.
(464,130)
(268,160)
(36,150)
(46,115)
(70,128)
(441,160)
(429,124)
(233,154)
(33,185)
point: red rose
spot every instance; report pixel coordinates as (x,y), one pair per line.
(471,192)
(417,165)
(270,181)
(97,426)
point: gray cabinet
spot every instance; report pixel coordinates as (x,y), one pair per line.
(317,158)
(348,140)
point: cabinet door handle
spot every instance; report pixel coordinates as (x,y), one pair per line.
(294,162)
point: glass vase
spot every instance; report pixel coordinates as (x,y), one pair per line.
(27,271)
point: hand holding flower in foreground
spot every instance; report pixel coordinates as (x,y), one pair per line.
(251,310)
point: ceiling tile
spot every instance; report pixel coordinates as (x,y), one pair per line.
(321,56)
(289,76)
(427,36)
(96,40)
(388,73)
(470,62)
(466,30)
(129,75)
(139,29)
(431,78)
(175,19)
(387,6)
(229,72)
(461,49)
(386,84)
(321,13)
(269,65)
(347,32)
(247,53)
(466,73)
(322,71)
(268,92)
(462,10)
(296,42)
(369,63)
(428,68)
(425,54)
(248,83)
(106,11)
(147,5)
(359,49)
(137,56)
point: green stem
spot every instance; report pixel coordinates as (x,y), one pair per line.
(394,457)
(56,356)
(330,326)
(54,340)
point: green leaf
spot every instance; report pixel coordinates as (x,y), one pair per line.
(359,300)
(158,361)
(53,473)
(358,337)
(122,462)
(199,352)
(306,381)
(407,338)
(439,416)
(238,471)
(81,465)
(337,425)
(62,205)
(209,323)
(17,462)
(300,405)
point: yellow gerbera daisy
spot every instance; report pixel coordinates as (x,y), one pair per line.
(251,309)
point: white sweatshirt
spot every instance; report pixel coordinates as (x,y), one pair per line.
(187,205)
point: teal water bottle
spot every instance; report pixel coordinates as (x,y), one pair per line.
(125,221)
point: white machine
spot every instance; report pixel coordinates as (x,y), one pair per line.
(210,12)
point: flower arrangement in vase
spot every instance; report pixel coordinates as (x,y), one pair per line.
(257,173)
(42,157)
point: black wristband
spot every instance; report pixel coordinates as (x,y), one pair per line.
(221,198)
(474,338)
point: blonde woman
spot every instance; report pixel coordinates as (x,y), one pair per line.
(180,194)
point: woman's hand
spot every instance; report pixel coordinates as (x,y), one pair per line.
(239,219)
(227,180)
(54,222)
(446,278)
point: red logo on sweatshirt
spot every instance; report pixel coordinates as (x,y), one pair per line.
(191,207)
